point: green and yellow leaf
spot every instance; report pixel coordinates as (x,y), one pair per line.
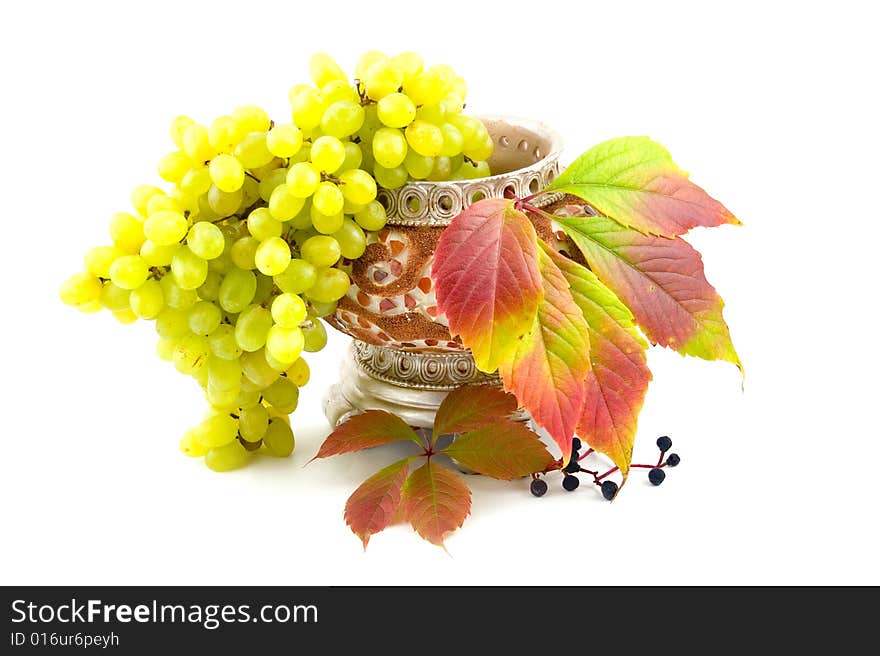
(505,450)
(471,407)
(435,501)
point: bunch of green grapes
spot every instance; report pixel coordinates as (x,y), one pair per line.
(239,258)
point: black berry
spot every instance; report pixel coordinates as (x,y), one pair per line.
(576,444)
(656,476)
(572,467)
(609,489)
(570,482)
(538,487)
(673,459)
(664,443)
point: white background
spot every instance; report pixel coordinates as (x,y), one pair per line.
(772,107)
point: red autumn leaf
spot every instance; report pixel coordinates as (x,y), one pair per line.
(435,501)
(373,505)
(634,181)
(364,431)
(471,407)
(505,449)
(486,277)
(617,385)
(661,280)
(549,369)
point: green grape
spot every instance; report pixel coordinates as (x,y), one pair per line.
(336,90)
(237,290)
(298,372)
(216,430)
(125,316)
(328,199)
(390,178)
(276,364)
(158,256)
(141,195)
(252,327)
(435,114)
(331,285)
(297,277)
(210,289)
(173,166)
(191,446)
(115,298)
(224,374)
(288,310)
(99,259)
(250,192)
(159,203)
(285,203)
(453,142)
(253,151)
(396,110)
(327,154)
(358,186)
(226,172)
(353,156)
(191,354)
(253,422)
(279,440)
(342,118)
(244,251)
(468,171)
(409,63)
(424,138)
(265,289)
(303,179)
(284,140)
(148,300)
(90,307)
(268,184)
(224,203)
(303,220)
(196,182)
(321,251)
(196,144)
(481,151)
(227,457)
(426,88)
(127,232)
(318,309)
(272,256)
(172,323)
(257,370)
(370,125)
(222,343)
(442,169)
(164,228)
(372,217)
(129,271)
(262,225)
(326,223)
(249,394)
(188,269)
(418,166)
(283,395)
(178,128)
(323,69)
(366,61)
(80,288)
(307,108)
(165,348)
(381,79)
(224,133)
(351,238)
(284,344)
(252,118)
(221,398)
(389,147)
(315,336)
(177,297)
(204,318)
(206,240)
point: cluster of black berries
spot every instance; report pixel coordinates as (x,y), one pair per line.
(570,481)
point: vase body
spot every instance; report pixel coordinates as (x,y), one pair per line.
(403,358)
